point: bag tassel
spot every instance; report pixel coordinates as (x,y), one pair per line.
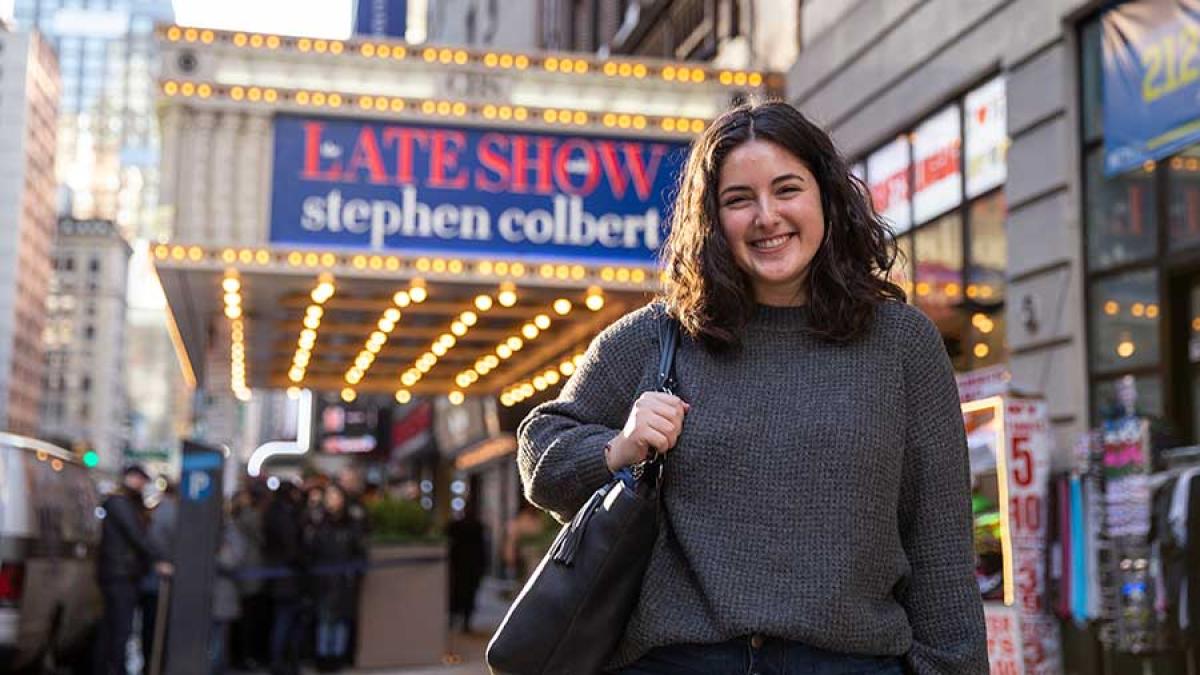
(567,543)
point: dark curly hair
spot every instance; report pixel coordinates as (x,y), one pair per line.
(848,276)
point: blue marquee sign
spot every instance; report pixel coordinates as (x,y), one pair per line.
(1151,81)
(471,192)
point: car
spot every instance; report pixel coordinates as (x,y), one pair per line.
(50,602)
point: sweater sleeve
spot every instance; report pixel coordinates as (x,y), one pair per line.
(941,596)
(560,444)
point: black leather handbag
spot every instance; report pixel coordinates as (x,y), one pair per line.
(573,610)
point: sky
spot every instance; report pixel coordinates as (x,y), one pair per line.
(316,18)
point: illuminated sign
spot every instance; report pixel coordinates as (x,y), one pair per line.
(986,137)
(470,192)
(887,175)
(936,145)
(1151,81)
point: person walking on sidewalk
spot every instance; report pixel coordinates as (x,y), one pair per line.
(468,561)
(816,498)
(126,554)
(336,550)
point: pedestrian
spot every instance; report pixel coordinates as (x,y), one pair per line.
(336,552)
(250,634)
(284,555)
(468,559)
(226,603)
(161,531)
(816,497)
(126,554)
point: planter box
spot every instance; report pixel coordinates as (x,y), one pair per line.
(403,610)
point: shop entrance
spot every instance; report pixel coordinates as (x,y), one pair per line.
(1184,358)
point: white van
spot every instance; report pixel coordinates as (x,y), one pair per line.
(50,602)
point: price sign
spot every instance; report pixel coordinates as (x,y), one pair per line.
(1004,640)
(1028,446)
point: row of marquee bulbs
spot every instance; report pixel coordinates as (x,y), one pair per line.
(415,294)
(321,294)
(528,332)
(459,327)
(447,56)
(516,393)
(232,287)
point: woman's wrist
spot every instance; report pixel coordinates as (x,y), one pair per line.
(611,456)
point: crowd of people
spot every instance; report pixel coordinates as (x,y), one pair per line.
(289,564)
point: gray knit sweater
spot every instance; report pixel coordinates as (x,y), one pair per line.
(818,492)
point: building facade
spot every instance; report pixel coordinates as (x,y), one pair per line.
(108,139)
(484,23)
(28,109)
(903,85)
(760,34)
(84,400)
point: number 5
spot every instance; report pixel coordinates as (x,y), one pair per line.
(1022,461)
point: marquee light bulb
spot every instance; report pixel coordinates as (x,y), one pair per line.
(541,321)
(469,318)
(530,331)
(507,298)
(418,294)
(483,302)
(401,299)
(392,314)
(447,340)
(437,348)
(595,302)
(503,351)
(515,343)
(458,328)
(456,397)
(231,285)
(403,396)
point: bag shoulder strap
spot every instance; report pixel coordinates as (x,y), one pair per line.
(668,341)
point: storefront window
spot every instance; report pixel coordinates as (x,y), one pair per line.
(938,287)
(1194,355)
(1122,226)
(1148,398)
(1183,197)
(1125,322)
(1093,82)
(985,280)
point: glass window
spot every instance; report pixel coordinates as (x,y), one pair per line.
(937,249)
(1194,357)
(1146,392)
(937,152)
(1183,198)
(988,257)
(1125,321)
(1093,81)
(1121,221)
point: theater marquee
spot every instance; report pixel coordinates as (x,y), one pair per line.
(470,191)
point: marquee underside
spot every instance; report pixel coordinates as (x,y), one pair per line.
(275,290)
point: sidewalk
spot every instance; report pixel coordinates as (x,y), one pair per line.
(466,651)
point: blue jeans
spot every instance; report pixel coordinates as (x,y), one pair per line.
(332,638)
(756,655)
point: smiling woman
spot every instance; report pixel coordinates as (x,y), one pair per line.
(759,173)
(815,482)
